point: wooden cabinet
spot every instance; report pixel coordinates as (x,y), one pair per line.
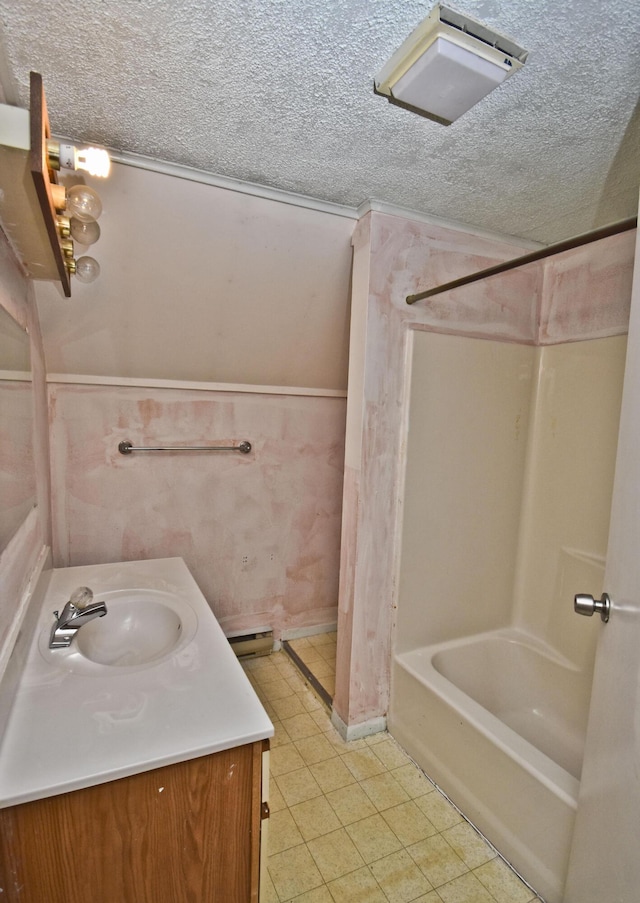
(185,833)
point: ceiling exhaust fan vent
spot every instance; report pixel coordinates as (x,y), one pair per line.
(448,64)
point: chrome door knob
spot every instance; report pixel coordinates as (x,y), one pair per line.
(587,605)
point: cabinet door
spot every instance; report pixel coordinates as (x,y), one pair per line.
(185,833)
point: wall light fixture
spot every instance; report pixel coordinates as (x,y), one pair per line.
(40,216)
(446,65)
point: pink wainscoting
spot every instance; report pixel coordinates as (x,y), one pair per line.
(348,557)
(260,532)
(579,295)
(587,291)
(408,257)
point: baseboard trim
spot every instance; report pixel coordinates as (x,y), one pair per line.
(358,731)
(296,633)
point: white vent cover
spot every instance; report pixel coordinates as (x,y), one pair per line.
(447,64)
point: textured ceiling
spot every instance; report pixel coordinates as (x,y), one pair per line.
(280,94)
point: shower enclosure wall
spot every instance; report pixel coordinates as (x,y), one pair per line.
(510,461)
(481,431)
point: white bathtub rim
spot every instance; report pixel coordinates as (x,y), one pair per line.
(540,766)
(532,760)
(511,634)
(527,697)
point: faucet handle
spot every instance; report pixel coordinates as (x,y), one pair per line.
(81,597)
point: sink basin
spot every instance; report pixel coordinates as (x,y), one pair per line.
(137,628)
(142,627)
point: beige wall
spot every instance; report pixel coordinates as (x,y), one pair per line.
(205,284)
(466,445)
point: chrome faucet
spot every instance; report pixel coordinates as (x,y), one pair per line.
(78,610)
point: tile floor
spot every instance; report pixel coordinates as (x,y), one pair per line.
(358,822)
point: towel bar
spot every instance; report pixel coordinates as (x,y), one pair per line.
(126,448)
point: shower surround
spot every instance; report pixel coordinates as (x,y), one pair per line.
(578,295)
(510,462)
(487,545)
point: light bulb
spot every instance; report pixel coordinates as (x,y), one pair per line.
(87,269)
(84,203)
(85,232)
(94,160)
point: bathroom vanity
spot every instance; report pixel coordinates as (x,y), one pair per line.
(135,777)
(185,832)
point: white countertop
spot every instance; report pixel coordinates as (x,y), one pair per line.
(70,729)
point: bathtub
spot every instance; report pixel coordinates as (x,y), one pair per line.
(498,722)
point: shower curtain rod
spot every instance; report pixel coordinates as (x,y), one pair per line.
(595,235)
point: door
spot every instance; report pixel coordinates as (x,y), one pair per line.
(605,858)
